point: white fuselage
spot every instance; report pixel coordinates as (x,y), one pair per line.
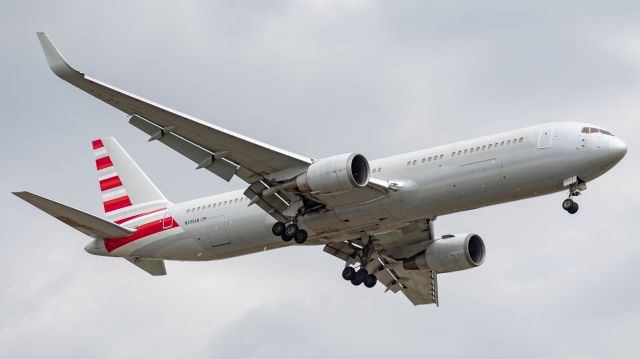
(460,176)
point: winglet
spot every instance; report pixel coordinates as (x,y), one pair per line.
(56,61)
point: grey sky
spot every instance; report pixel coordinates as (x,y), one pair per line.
(320,78)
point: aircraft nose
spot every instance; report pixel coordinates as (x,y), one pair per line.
(617,149)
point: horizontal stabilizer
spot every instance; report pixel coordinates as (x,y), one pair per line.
(86,223)
(154,267)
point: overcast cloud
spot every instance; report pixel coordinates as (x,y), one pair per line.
(320,78)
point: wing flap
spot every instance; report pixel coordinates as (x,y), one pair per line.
(212,161)
(86,223)
(274,204)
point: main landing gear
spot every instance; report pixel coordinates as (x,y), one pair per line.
(569,204)
(361,276)
(289,232)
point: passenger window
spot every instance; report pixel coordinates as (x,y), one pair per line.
(429,159)
(373,170)
(490,145)
(188,210)
(477,148)
(379,169)
(441,156)
(453,154)
(501,143)
(414,162)
(408,163)
(521,139)
(496,144)
(465,151)
(508,142)
(459,153)
(424,160)
(484,147)
(471,150)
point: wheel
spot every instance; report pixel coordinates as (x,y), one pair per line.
(371,281)
(573,208)
(359,277)
(567,204)
(291,230)
(285,237)
(301,236)
(348,273)
(278,228)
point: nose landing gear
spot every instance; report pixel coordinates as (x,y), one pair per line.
(289,232)
(569,204)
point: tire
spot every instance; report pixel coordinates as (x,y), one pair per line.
(348,273)
(285,237)
(371,281)
(359,277)
(567,204)
(301,236)
(573,208)
(278,228)
(291,230)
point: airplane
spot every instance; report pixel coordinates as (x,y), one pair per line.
(375,216)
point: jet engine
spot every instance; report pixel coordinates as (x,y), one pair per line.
(335,174)
(449,254)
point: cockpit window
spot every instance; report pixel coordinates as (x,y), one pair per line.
(596,130)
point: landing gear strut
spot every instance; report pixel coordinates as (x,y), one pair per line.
(289,232)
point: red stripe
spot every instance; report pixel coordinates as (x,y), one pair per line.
(120,221)
(117,203)
(97,144)
(103,162)
(142,231)
(109,183)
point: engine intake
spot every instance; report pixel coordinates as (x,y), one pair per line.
(335,174)
(449,254)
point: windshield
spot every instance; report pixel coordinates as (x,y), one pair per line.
(596,130)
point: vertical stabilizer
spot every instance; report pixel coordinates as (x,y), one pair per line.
(127,192)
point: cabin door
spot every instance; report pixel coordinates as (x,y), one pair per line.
(545,137)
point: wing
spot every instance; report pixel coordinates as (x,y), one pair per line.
(419,286)
(213,148)
(253,160)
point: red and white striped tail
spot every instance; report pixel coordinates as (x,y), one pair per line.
(127,192)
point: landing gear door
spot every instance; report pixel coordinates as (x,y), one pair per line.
(167,221)
(545,137)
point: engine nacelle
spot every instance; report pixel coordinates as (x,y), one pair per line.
(449,254)
(335,174)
